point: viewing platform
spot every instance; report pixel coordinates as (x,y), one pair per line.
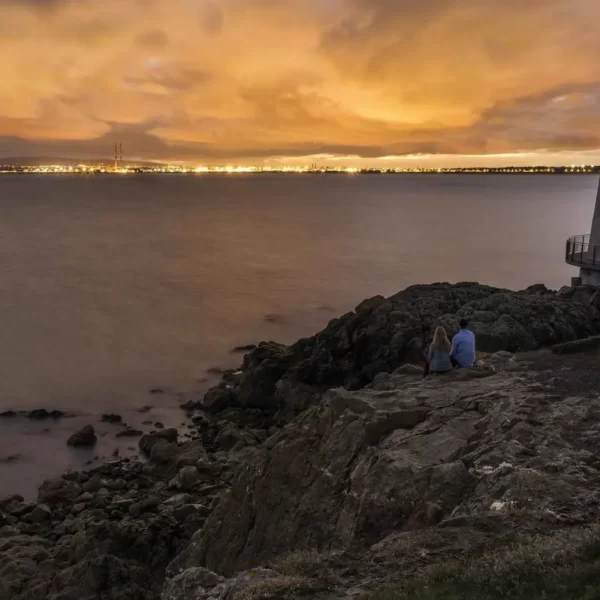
(580,253)
(583,251)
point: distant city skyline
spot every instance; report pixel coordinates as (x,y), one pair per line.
(364,83)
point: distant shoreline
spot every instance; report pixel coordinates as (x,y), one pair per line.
(348,172)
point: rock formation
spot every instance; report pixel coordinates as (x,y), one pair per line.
(330,467)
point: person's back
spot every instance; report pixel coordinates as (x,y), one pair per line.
(463,351)
(439,352)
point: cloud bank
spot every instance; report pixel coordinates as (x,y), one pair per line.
(288,80)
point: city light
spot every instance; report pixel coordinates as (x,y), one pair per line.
(120,169)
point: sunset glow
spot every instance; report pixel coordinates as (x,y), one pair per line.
(380,83)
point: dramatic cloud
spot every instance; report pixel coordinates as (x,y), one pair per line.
(296,80)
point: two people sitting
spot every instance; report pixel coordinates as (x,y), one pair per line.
(443,356)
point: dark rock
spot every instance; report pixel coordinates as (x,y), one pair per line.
(217,399)
(585,345)
(186,479)
(85,497)
(199,420)
(230,436)
(12,458)
(40,513)
(13,499)
(191,405)
(537,288)
(145,409)
(246,348)
(163,452)
(130,432)
(84,437)
(42,414)
(22,509)
(7,414)
(109,418)
(157,391)
(181,513)
(58,492)
(92,485)
(178,500)
(159,425)
(148,441)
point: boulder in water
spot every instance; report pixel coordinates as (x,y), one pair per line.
(83,438)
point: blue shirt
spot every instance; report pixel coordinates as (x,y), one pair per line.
(463,348)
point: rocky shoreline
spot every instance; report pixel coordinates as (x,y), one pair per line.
(329,468)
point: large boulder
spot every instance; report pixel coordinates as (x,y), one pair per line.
(84,437)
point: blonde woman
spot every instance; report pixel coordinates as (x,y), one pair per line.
(439,352)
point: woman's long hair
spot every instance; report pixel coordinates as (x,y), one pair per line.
(441,341)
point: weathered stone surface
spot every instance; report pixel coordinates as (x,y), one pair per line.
(368,463)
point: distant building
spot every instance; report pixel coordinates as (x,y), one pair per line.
(583,251)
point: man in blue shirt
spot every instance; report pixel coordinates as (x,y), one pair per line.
(463,347)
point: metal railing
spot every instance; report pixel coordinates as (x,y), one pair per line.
(580,252)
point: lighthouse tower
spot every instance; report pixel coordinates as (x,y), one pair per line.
(583,251)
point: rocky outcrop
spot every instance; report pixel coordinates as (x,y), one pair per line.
(334,446)
(277,382)
(407,454)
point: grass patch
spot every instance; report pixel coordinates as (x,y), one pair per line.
(306,563)
(562,567)
(278,588)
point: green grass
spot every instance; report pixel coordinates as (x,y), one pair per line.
(562,567)
(283,587)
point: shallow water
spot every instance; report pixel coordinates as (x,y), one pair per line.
(114,285)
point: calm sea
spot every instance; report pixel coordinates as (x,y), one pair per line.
(112,286)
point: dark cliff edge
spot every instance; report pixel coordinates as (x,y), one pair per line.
(331,469)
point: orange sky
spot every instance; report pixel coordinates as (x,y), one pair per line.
(358,82)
